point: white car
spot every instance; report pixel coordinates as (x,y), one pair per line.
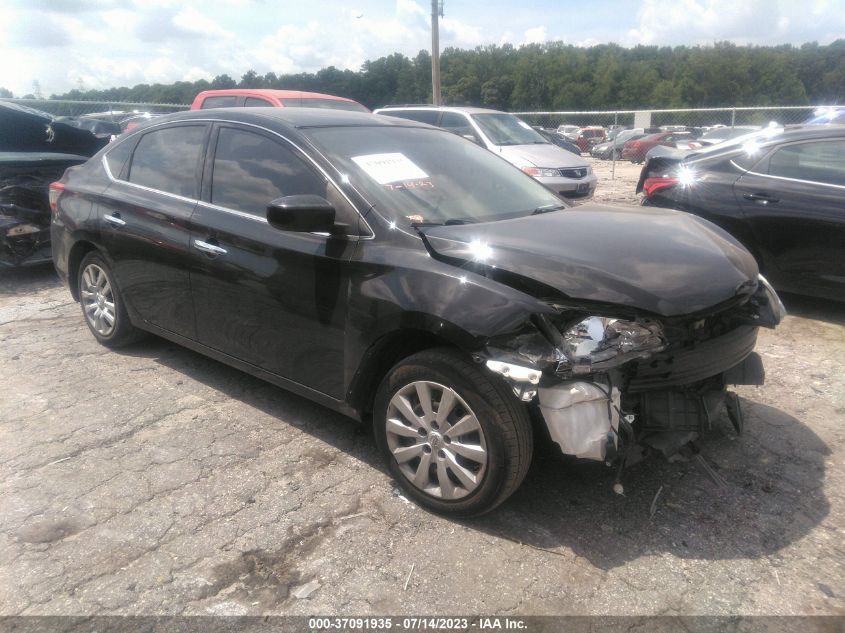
(562,172)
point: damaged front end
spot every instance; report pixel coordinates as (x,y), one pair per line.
(25,179)
(35,149)
(608,387)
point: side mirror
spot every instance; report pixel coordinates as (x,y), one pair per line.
(303,213)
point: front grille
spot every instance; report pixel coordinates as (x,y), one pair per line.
(578,172)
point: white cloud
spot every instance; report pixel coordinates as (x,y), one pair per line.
(537,35)
(743,21)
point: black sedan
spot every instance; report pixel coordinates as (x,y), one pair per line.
(401,274)
(781,192)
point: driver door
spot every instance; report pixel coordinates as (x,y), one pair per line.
(275,299)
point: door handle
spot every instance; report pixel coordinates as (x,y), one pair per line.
(762,198)
(211,249)
(114,219)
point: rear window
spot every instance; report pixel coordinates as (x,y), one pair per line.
(253,102)
(819,162)
(218,102)
(166,159)
(328,104)
(117,157)
(421,116)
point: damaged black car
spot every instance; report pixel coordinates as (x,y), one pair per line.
(402,275)
(35,150)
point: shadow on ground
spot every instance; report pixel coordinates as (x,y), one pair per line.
(816,309)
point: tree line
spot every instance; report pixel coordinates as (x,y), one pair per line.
(557,76)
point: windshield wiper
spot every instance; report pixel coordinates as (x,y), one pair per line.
(548,207)
(448,222)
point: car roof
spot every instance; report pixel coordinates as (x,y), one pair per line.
(467,109)
(291,117)
(268,92)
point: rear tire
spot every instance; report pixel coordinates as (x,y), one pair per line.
(102,304)
(455,438)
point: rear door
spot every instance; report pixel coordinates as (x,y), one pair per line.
(275,299)
(794,201)
(144,223)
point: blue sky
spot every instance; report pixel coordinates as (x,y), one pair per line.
(103,43)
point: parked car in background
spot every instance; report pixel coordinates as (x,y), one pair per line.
(514,140)
(408,278)
(613,131)
(722,134)
(561,141)
(35,149)
(120,120)
(824,116)
(589,136)
(569,131)
(636,150)
(253,98)
(778,191)
(606,149)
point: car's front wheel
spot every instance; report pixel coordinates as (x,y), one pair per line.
(455,438)
(102,303)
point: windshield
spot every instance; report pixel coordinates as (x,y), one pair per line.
(506,129)
(428,176)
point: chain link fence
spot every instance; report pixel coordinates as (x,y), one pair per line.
(61,107)
(690,118)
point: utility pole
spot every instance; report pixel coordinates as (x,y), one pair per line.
(436,13)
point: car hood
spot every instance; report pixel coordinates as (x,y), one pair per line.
(664,262)
(540,155)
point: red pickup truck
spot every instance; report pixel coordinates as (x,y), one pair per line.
(249,98)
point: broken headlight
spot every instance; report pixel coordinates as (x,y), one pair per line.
(601,342)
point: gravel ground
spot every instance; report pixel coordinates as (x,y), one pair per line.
(155,481)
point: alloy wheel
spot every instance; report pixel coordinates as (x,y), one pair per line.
(97,300)
(436,440)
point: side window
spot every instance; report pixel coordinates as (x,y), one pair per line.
(254,102)
(218,102)
(166,159)
(250,170)
(458,124)
(421,116)
(822,161)
(117,157)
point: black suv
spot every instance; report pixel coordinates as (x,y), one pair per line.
(399,273)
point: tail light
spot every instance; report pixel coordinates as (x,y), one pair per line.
(654,184)
(56,190)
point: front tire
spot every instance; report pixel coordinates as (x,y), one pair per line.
(102,304)
(455,438)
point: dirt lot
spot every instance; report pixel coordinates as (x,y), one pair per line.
(154,480)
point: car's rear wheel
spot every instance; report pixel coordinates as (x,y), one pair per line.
(102,303)
(456,439)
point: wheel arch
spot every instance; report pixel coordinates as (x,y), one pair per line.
(386,352)
(77,253)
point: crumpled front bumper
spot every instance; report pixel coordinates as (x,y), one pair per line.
(664,400)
